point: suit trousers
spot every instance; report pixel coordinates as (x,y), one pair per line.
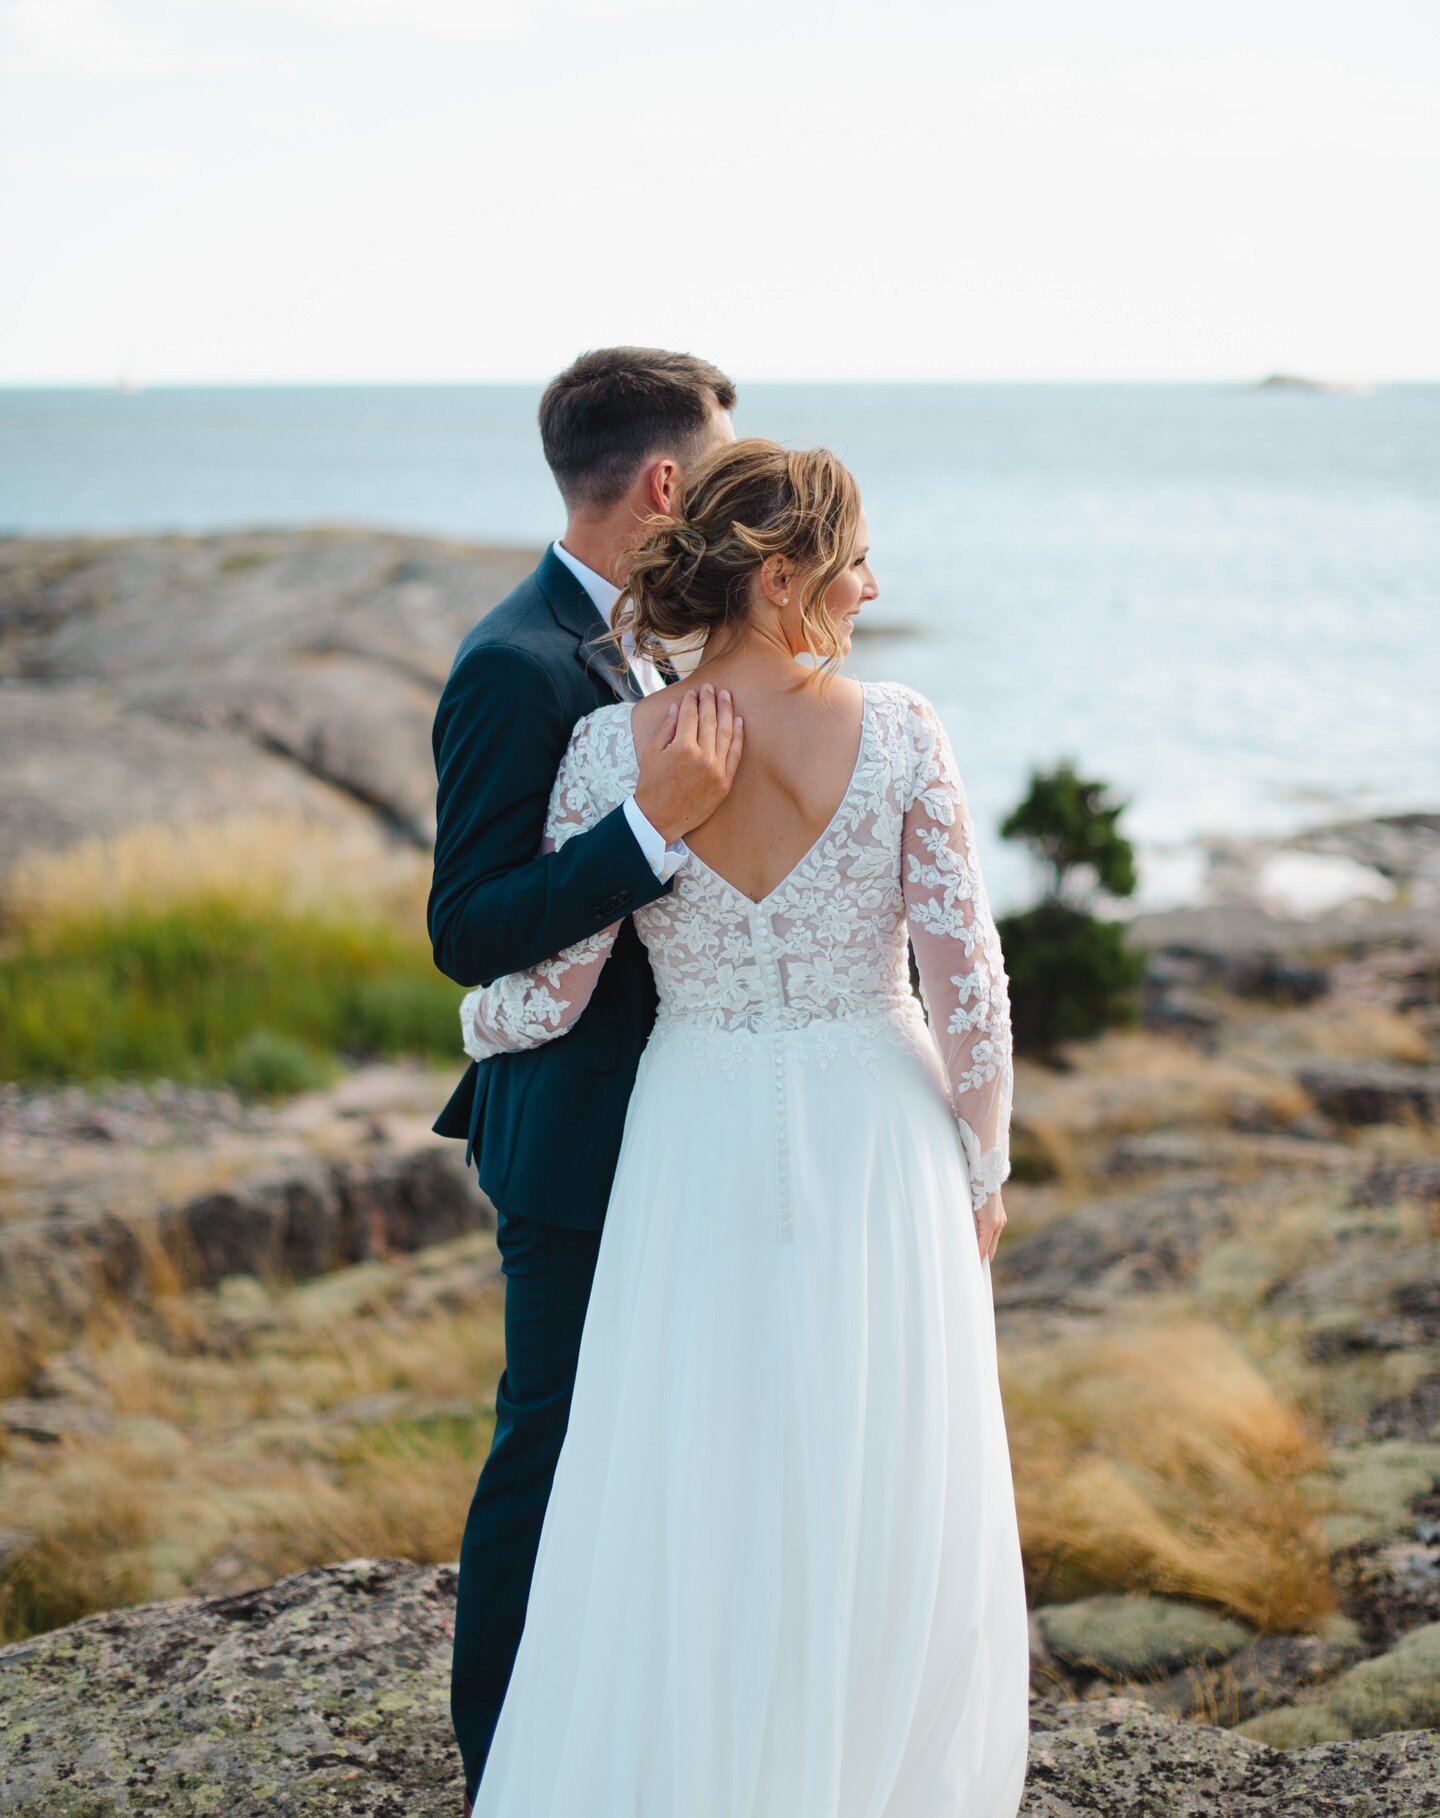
(548,1270)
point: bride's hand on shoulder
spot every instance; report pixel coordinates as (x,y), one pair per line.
(989,1223)
(688,765)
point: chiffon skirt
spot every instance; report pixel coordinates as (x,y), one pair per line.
(779,1574)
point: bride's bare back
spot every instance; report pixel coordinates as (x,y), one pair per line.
(802,739)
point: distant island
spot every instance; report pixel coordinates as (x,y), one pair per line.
(1335,388)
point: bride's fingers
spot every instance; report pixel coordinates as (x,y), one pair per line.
(732,756)
(706,729)
(664,733)
(724,723)
(990,1221)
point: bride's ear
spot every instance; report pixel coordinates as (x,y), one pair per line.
(775,580)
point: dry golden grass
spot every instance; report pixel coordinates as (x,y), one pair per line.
(240,1447)
(20,1353)
(87,1520)
(1160,1459)
(251,1353)
(1133,1080)
(1046,1150)
(386,1506)
(1342,1029)
(264,1428)
(229,1454)
(263,863)
(261,1429)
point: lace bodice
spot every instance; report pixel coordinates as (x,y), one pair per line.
(827,944)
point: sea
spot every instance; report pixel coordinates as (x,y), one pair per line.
(1223,601)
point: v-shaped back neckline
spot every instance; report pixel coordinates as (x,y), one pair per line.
(760,902)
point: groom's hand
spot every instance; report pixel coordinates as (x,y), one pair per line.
(687,768)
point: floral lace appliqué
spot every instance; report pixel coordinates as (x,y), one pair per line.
(826,951)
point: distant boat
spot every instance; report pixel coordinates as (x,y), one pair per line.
(128,385)
(1334,388)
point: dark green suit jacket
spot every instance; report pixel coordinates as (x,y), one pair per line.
(545,1125)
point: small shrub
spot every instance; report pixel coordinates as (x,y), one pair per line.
(398,1015)
(1071,973)
(1071,976)
(267,1065)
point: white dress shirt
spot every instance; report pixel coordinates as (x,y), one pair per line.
(663,860)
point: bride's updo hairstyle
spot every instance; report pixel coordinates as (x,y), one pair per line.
(690,576)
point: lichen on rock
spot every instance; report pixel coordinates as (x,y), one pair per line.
(327,1694)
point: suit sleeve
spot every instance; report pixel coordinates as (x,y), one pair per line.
(497,903)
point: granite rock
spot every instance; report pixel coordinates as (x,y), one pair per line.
(326,1693)
(180,678)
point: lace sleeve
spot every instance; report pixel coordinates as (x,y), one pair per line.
(527,1008)
(957,950)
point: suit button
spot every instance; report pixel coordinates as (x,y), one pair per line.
(622,897)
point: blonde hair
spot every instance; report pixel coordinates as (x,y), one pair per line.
(690,575)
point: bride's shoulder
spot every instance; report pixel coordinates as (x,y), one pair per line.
(915,738)
(600,758)
(905,708)
(602,732)
(596,773)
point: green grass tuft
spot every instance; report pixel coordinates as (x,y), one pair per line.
(198,991)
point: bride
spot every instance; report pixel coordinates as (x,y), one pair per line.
(779,1574)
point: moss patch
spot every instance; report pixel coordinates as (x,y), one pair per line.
(1131,1636)
(1395,1691)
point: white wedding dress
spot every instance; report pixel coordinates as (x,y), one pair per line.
(779,1574)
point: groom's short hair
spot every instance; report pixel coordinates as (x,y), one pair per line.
(616,407)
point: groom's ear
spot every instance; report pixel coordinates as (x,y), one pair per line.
(662,483)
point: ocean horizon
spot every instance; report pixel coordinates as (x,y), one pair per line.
(1221,599)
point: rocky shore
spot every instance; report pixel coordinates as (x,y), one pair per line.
(1263,1153)
(241,1341)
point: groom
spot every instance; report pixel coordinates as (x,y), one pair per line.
(619,427)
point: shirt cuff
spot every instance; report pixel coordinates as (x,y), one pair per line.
(663,860)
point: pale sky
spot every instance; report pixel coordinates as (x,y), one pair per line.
(345,190)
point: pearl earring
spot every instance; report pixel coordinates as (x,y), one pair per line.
(784,599)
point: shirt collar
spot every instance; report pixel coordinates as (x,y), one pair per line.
(603,593)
